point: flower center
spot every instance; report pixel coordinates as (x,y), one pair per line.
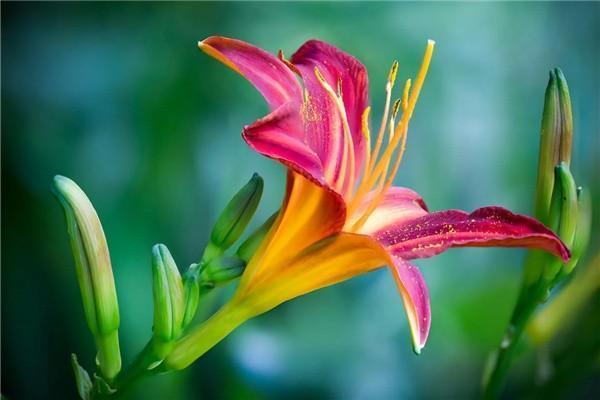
(377,175)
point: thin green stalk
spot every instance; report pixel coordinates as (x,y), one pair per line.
(140,367)
(501,361)
(206,335)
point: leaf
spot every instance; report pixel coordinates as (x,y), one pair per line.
(82,379)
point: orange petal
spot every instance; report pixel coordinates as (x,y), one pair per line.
(309,213)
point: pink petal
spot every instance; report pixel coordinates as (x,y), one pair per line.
(279,135)
(399,205)
(431,234)
(269,136)
(267,73)
(415,296)
(323,127)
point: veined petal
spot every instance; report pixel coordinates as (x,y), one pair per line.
(267,73)
(431,234)
(335,259)
(324,263)
(323,127)
(415,296)
(310,212)
(272,136)
(399,205)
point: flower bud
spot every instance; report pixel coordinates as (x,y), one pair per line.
(555,140)
(582,232)
(222,270)
(237,214)
(563,214)
(191,288)
(94,273)
(250,245)
(168,295)
(568,209)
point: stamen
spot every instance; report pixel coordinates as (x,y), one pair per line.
(339,87)
(409,102)
(365,123)
(388,97)
(407,115)
(405,94)
(395,109)
(291,66)
(392,73)
(363,187)
(348,155)
(367,135)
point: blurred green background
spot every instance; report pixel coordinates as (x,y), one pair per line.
(118,98)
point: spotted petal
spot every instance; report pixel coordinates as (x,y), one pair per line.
(431,234)
(324,131)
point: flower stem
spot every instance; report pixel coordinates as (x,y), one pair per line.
(205,336)
(140,367)
(533,292)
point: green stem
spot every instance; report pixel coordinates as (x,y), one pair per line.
(206,335)
(140,367)
(567,305)
(503,357)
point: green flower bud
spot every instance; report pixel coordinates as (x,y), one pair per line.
(582,233)
(568,209)
(191,288)
(555,140)
(168,295)
(249,247)
(94,273)
(566,118)
(235,217)
(222,270)
(563,215)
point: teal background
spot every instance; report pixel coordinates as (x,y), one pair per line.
(118,98)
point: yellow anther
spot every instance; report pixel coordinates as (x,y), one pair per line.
(392,73)
(395,109)
(365,124)
(339,87)
(405,94)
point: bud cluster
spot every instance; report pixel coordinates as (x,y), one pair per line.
(559,203)
(176,297)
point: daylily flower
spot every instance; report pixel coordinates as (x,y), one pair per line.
(341,216)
